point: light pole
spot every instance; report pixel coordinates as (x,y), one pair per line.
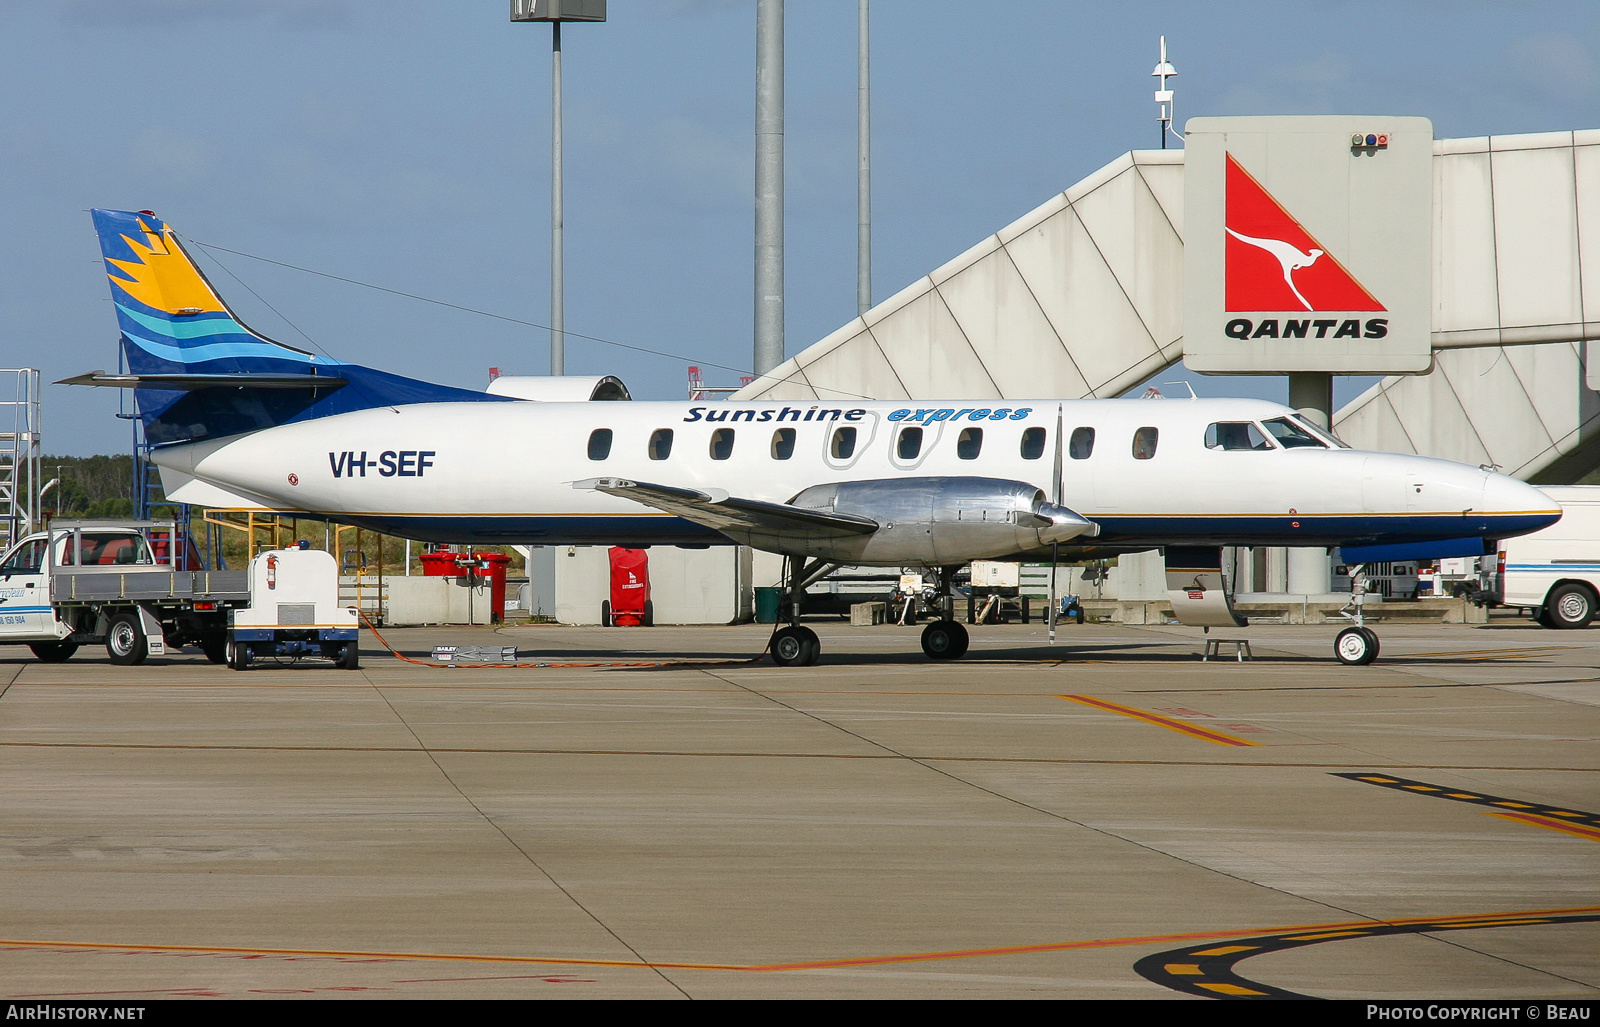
(555,12)
(863,165)
(769,185)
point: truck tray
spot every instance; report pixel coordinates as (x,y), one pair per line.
(154,584)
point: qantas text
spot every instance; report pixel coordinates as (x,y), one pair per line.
(1293,328)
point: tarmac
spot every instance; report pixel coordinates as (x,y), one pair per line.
(650,813)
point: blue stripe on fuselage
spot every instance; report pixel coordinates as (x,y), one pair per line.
(1116,530)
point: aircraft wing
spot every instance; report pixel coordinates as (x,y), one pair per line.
(738,518)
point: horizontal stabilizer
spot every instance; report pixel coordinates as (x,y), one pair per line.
(192,382)
(178,487)
(716,509)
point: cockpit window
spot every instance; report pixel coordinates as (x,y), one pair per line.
(1291,435)
(1319,432)
(1235,435)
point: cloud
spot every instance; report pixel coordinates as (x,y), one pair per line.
(1556,64)
(314,14)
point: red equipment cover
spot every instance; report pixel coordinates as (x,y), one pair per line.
(630,585)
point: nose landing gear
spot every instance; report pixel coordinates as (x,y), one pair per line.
(1357,645)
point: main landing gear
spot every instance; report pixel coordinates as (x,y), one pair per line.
(795,645)
(946,638)
(1356,645)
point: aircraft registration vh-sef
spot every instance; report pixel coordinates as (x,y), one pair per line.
(240,420)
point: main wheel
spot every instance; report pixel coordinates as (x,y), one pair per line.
(350,659)
(54,652)
(238,656)
(126,643)
(795,646)
(944,640)
(1569,606)
(1356,647)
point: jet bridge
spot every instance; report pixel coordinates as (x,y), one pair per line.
(1082,297)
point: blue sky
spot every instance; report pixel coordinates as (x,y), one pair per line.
(406,143)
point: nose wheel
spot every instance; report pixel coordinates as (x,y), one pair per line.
(1356,647)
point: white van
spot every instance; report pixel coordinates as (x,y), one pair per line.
(1554,572)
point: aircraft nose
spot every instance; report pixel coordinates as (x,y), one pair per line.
(1520,506)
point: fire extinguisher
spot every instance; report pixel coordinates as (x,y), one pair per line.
(272,572)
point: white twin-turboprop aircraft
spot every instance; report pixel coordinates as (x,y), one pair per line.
(242,420)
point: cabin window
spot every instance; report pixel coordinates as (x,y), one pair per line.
(1292,436)
(599,443)
(661,443)
(969,443)
(844,443)
(722,443)
(783,444)
(909,444)
(1081,445)
(1235,435)
(1144,443)
(1033,443)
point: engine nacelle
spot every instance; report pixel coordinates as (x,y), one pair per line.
(941,521)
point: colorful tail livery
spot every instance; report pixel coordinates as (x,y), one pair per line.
(200,372)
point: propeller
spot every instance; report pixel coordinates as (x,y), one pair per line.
(1055,547)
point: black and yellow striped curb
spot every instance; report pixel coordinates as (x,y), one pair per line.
(1207,970)
(1583,823)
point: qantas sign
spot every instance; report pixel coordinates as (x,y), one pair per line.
(1273,263)
(1304,252)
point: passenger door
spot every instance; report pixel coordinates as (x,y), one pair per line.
(25,593)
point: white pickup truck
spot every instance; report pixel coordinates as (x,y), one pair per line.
(139,587)
(1555,573)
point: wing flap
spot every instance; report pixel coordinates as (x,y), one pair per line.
(737,517)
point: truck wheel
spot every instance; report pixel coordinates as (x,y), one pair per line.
(125,640)
(54,652)
(216,649)
(238,656)
(351,657)
(1569,606)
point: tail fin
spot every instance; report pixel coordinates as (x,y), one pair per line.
(200,372)
(172,320)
